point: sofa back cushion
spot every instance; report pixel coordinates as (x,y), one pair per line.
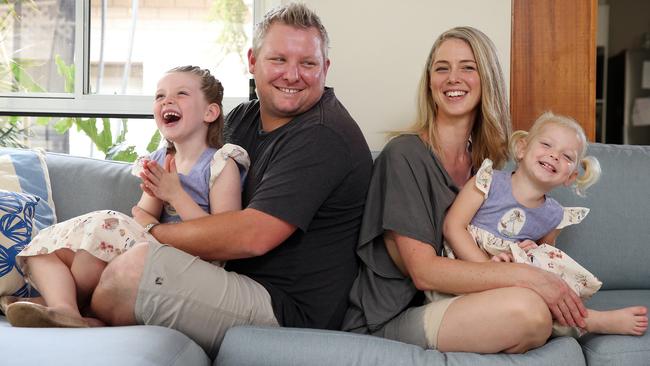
(613,241)
(16,230)
(81,185)
(23,170)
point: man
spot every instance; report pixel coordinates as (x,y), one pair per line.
(291,251)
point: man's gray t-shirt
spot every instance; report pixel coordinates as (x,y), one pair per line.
(409,193)
(313,173)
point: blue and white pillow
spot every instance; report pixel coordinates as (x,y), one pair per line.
(25,171)
(16,230)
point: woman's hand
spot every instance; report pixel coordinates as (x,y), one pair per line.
(567,308)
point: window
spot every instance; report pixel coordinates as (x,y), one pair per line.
(65,61)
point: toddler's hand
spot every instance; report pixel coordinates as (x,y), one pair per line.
(502,257)
(527,245)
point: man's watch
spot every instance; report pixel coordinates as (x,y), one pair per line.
(150,226)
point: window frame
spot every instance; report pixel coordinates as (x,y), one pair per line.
(81,103)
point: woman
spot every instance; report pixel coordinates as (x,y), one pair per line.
(462,119)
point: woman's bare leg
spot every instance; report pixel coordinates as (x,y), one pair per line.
(511,320)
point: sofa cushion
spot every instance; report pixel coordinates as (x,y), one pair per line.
(613,241)
(26,171)
(105,346)
(16,230)
(248,345)
(601,350)
(81,185)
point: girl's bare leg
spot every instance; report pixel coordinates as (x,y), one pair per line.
(66,279)
(54,280)
(86,270)
(632,320)
(511,320)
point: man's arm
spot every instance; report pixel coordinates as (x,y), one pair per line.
(225,236)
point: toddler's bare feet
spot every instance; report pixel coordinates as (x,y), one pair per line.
(632,320)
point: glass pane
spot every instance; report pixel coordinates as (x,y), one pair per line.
(80,136)
(33,36)
(132,43)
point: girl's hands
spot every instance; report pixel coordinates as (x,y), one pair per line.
(526,245)
(162,183)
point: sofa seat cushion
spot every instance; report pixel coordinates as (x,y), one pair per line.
(601,350)
(248,345)
(109,346)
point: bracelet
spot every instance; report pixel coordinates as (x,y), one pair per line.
(150,226)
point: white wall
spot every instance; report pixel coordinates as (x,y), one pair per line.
(378,49)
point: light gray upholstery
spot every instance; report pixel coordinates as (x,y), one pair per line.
(612,242)
(291,346)
(612,350)
(81,185)
(110,346)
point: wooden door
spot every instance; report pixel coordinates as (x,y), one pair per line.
(553,61)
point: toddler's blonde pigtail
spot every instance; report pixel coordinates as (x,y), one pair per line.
(591,174)
(516,138)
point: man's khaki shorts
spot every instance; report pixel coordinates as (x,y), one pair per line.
(198,298)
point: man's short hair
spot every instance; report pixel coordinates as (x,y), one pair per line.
(295,15)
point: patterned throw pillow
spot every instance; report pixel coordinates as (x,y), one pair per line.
(26,171)
(16,214)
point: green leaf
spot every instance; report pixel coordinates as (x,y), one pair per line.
(122,152)
(23,80)
(154,142)
(43,121)
(67,72)
(62,125)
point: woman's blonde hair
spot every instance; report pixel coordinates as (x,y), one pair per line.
(492,127)
(590,165)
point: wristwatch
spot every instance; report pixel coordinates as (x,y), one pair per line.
(148,227)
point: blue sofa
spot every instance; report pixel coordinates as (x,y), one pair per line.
(613,242)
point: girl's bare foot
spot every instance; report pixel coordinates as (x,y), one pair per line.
(29,314)
(94,322)
(632,320)
(7,300)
